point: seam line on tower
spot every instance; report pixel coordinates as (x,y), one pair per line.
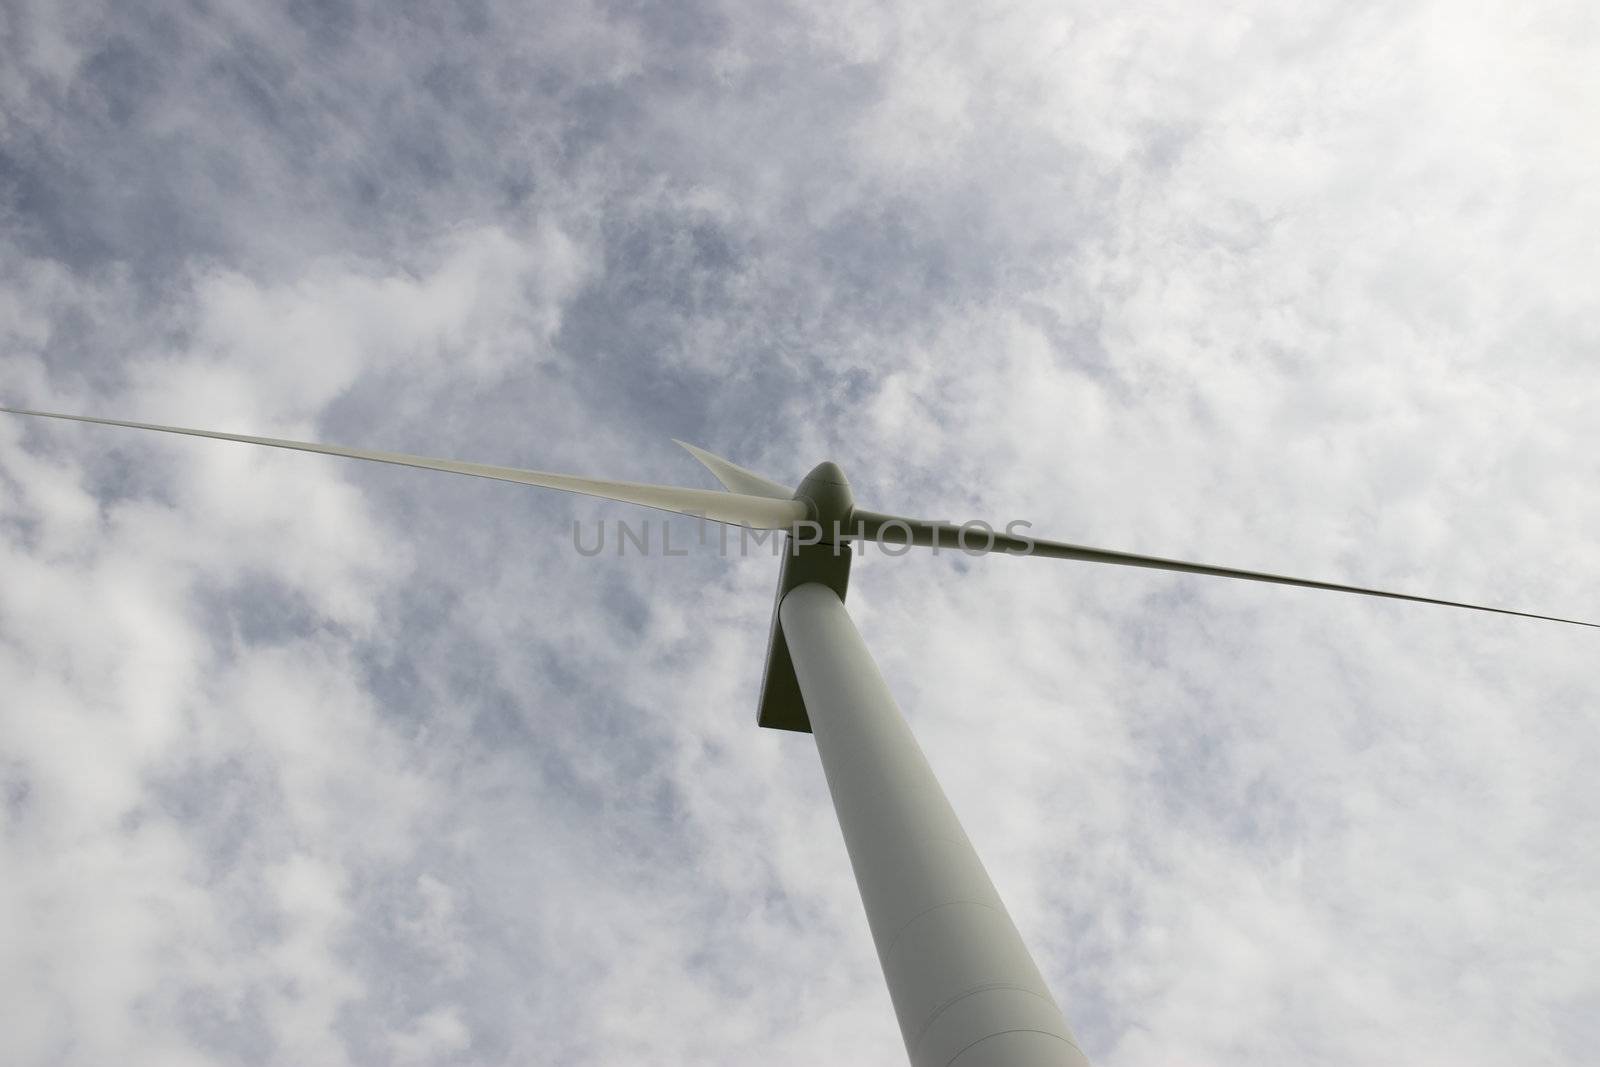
(1015,1030)
(888,949)
(987,987)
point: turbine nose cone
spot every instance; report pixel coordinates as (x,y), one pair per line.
(827,472)
(828,492)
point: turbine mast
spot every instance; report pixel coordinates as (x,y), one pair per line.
(964,988)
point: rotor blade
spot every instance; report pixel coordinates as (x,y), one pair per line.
(892,529)
(735,477)
(757,512)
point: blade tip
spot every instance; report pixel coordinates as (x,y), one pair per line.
(700,455)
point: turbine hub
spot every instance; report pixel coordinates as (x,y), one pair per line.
(827,492)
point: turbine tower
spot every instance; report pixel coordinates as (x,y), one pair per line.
(965,990)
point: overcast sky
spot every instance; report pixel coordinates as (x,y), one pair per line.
(308,761)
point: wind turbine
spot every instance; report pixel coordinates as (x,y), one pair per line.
(965,990)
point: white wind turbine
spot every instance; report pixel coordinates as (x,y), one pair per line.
(965,990)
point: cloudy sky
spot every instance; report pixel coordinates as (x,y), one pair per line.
(308,761)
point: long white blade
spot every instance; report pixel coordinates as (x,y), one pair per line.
(735,477)
(756,512)
(893,529)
